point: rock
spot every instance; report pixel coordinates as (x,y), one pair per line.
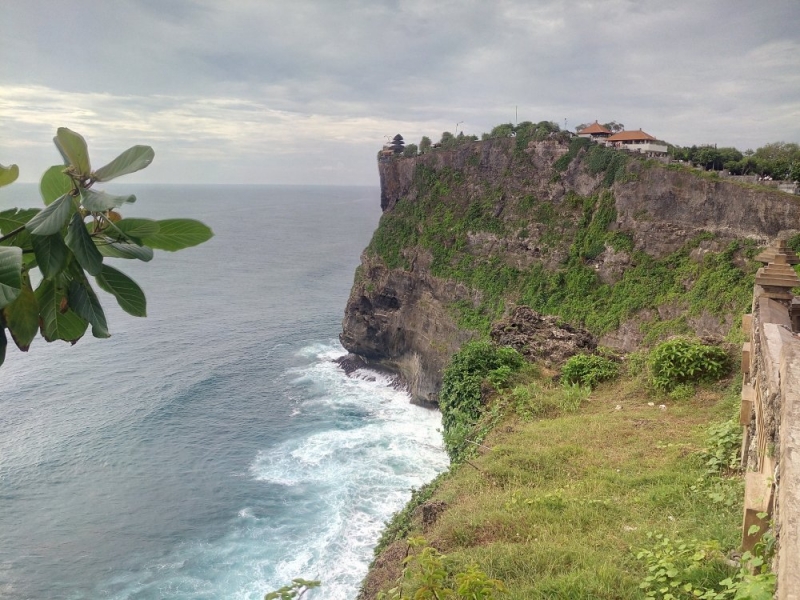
(400,321)
(384,571)
(351,362)
(544,338)
(429,513)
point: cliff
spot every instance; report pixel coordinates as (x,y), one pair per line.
(628,248)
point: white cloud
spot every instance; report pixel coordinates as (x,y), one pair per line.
(272,91)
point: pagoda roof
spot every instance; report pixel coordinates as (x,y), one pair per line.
(777,274)
(594,129)
(631,136)
(778,247)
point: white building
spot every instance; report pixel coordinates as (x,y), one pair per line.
(637,141)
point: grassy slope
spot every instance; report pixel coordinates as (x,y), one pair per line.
(557,507)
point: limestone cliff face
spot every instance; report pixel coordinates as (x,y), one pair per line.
(402,318)
(664,207)
(398,319)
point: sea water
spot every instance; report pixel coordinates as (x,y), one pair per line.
(212,449)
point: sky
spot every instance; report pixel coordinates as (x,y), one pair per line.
(306,92)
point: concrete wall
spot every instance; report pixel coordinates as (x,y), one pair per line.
(771,447)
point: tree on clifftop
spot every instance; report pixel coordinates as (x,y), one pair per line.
(411,150)
(424,144)
(448,140)
(614,127)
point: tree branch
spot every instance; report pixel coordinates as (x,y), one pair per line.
(11,234)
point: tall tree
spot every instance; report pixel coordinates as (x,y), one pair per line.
(614,127)
(424,144)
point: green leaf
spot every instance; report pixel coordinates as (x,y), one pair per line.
(129,295)
(132,160)
(51,253)
(753,529)
(8,174)
(86,305)
(55,183)
(22,316)
(101,201)
(58,322)
(52,218)
(81,243)
(73,148)
(13,219)
(10,274)
(176,234)
(125,250)
(137,228)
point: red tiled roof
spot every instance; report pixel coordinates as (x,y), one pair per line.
(631,136)
(595,128)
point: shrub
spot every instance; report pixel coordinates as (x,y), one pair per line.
(679,361)
(588,369)
(427,575)
(460,396)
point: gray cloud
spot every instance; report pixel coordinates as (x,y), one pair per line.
(304,92)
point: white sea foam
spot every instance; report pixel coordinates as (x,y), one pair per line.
(362,474)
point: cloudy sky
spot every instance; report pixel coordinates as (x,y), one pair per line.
(293,91)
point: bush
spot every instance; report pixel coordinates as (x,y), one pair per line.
(681,361)
(460,396)
(588,369)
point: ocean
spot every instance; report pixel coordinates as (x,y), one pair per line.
(213,449)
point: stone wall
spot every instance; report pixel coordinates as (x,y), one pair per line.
(771,418)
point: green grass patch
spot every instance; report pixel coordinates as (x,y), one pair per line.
(559,500)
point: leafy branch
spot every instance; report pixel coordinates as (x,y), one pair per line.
(294,591)
(69,240)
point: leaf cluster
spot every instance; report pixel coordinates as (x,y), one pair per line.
(679,361)
(588,369)
(460,398)
(69,241)
(691,569)
(723,445)
(426,576)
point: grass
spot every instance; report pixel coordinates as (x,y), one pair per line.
(557,507)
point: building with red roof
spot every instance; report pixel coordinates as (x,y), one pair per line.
(637,141)
(595,131)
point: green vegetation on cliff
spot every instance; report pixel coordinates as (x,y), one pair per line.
(448,221)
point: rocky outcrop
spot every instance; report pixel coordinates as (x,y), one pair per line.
(402,318)
(545,339)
